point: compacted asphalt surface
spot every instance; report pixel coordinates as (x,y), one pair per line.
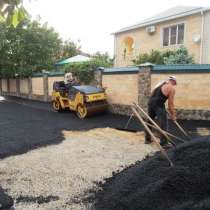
(27,125)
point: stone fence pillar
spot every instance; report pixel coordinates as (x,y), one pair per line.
(98,76)
(18,86)
(45,86)
(144,84)
(8,87)
(30,87)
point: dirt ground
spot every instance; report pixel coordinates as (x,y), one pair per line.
(56,177)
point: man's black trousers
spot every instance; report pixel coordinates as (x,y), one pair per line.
(160,114)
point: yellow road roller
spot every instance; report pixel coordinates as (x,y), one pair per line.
(85,100)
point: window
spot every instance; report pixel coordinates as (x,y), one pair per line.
(165,36)
(173,35)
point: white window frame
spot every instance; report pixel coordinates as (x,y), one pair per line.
(169,26)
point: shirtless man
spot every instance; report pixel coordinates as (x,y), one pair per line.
(156,106)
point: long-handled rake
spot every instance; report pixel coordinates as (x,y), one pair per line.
(152,135)
(152,122)
(180,128)
(167,133)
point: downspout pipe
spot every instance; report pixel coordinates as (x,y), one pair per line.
(202,31)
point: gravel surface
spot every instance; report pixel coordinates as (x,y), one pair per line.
(57,177)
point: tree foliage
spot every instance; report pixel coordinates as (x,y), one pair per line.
(12,12)
(28,48)
(69,49)
(104,57)
(154,56)
(179,56)
(84,71)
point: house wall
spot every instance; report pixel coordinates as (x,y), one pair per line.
(206,39)
(121,88)
(144,42)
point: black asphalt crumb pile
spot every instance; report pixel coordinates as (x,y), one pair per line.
(6,202)
(153,185)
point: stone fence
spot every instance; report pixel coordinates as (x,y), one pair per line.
(38,87)
(134,84)
(129,84)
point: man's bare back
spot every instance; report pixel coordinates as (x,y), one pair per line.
(169,91)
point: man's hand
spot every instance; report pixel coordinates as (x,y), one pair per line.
(173,117)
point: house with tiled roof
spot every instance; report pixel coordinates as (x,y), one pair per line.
(179,26)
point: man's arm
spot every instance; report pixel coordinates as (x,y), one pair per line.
(171,103)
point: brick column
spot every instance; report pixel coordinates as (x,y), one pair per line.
(30,87)
(45,86)
(98,76)
(144,84)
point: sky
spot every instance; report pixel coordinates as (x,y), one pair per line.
(92,22)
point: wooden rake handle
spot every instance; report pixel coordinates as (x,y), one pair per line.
(167,133)
(153,122)
(180,128)
(152,135)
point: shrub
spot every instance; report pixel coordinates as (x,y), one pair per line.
(179,56)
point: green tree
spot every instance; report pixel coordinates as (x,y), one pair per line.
(28,48)
(12,11)
(69,49)
(104,58)
(84,71)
